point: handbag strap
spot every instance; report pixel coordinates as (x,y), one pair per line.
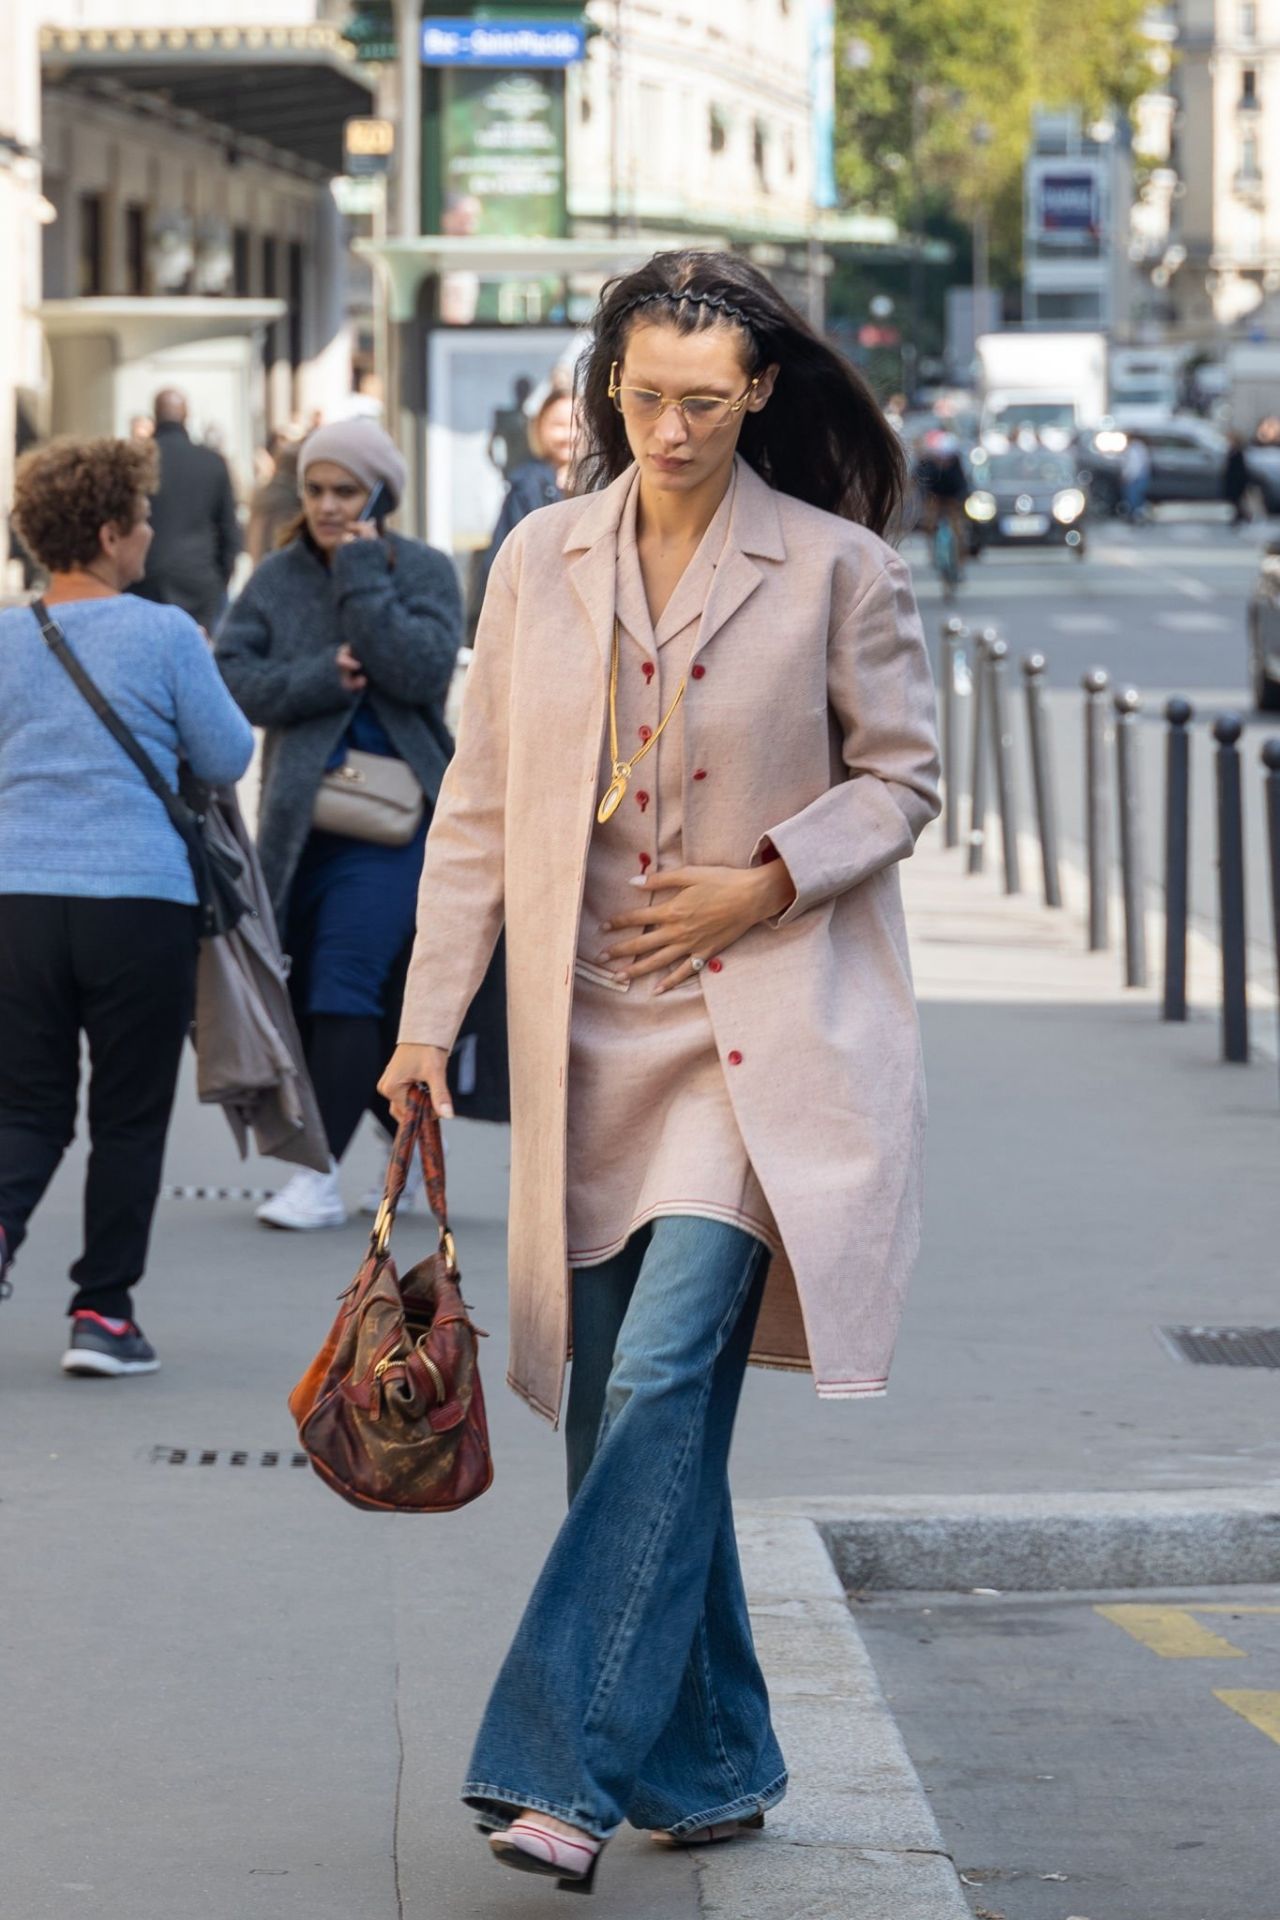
(179,813)
(421,1128)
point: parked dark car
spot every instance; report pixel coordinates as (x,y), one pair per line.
(1188,460)
(1025,497)
(1263,619)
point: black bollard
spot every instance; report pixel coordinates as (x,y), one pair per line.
(1128,705)
(1095,684)
(1271,761)
(978,751)
(1042,777)
(954,635)
(1002,743)
(1227,729)
(1177,846)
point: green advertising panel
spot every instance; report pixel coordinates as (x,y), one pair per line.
(502,152)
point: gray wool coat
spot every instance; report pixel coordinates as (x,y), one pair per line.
(397,605)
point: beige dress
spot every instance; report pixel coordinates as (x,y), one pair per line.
(651,1129)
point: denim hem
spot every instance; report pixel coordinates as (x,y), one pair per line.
(746,1804)
(488,1800)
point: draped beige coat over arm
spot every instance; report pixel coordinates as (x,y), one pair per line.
(815,708)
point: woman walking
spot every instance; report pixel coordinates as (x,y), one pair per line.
(697,738)
(343,644)
(97,901)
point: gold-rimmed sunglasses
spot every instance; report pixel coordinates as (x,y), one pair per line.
(701,412)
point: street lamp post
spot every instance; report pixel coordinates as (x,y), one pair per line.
(981,137)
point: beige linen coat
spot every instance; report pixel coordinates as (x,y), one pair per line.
(815,702)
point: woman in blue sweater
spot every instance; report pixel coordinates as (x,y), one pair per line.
(97,902)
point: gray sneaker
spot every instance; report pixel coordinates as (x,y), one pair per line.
(97,1348)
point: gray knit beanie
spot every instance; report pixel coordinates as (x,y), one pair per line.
(365,449)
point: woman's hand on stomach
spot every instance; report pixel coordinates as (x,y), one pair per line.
(698,911)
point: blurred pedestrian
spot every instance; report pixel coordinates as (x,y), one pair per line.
(715,1056)
(509,435)
(943,483)
(342,644)
(1236,481)
(1135,477)
(193,519)
(274,505)
(538,482)
(97,902)
(142,427)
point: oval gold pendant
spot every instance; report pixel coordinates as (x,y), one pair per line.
(612,800)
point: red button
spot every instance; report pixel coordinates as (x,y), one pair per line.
(735,1058)
(699,773)
(646,733)
(714,966)
(642,799)
(645,863)
(698,671)
(648,669)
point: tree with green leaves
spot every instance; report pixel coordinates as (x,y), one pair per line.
(934,99)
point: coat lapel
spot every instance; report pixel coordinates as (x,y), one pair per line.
(755,531)
(592,551)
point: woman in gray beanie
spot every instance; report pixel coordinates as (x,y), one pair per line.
(342,646)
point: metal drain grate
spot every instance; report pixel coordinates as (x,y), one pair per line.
(224,1457)
(1225,1346)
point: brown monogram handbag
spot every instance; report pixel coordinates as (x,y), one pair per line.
(391,1411)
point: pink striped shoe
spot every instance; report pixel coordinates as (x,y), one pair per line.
(532,1848)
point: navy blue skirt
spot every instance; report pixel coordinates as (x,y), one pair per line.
(351,917)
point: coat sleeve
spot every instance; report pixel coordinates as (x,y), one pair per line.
(881,692)
(461,898)
(274,693)
(403,623)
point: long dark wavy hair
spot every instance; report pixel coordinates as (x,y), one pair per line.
(822,436)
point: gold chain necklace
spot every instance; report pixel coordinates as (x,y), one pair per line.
(622,769)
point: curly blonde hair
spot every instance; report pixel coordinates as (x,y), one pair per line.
(66,492)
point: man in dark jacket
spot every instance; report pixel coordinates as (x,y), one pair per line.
(197,534)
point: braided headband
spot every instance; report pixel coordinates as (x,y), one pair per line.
(715,301)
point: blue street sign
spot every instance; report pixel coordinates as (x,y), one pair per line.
(502,43)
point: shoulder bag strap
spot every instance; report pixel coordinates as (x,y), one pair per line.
(56,641)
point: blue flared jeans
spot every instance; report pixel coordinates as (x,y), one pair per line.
(632,1690)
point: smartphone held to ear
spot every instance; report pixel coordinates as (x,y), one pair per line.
(377,506)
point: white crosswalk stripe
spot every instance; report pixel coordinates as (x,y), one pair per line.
(1178,621)
(1084,623)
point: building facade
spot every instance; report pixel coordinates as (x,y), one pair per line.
(165,190)
(1220,269)
(696,116)
(1078,191)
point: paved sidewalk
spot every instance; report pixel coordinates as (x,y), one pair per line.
(229,1694)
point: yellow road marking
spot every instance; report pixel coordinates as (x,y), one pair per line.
(1262,1710)
(1171,1632)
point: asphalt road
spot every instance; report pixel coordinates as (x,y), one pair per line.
(1162,609)
(1095,1756)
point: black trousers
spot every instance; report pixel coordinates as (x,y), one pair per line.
(123,973)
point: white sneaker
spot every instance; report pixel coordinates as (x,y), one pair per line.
(413,1199)
(307,1200)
